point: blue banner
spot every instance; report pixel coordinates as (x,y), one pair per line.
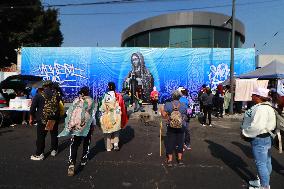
(165,68)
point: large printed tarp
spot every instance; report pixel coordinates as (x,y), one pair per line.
(165,68)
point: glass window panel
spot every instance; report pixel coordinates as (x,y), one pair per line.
(142,40)
(130,43)
(180,37)
(222,38)
(159,38)
(202,37)
(238,43)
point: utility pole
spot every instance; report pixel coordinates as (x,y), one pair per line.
(232,60)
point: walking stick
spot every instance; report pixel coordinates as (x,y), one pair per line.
(161,126)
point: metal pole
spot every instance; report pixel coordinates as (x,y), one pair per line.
(232,59)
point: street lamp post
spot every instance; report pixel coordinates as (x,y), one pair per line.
(232,59)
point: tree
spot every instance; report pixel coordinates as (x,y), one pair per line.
(26,23)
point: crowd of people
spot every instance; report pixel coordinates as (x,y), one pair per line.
(111,115)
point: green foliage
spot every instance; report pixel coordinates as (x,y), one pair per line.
(26,23)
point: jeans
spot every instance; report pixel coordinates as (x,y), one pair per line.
(187,136)
(261,149)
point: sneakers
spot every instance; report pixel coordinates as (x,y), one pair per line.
(84,161)
(203,125)
(169,163)
(37,158)
(180,162)
(108,150)
(251,187)
(53,153)
(24,122)
(116,148)
(254,183)
(210,125)
(71,170)
(186,147)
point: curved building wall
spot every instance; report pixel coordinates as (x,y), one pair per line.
(193,30)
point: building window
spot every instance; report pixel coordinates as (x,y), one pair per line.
(180,37)
(221,38)
(129,43)
(202,37)
(159,38)
(142,40)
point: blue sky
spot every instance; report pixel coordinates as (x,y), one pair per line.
(261,20)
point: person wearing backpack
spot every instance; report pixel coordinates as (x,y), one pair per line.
(175,113)
(113,117)
(78,124)
(258,124)
(45,111)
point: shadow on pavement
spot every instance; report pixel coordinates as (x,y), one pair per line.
(235,162)
(99,147)
(64,144)
(7,131)
(126,135)
(246,149)
(276,166)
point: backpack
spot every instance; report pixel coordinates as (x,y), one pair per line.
(175,117)
(51,108)
(110,119)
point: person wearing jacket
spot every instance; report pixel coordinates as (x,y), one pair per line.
(78,124)
(207,101)
(45,94)
(258,122)
(113,118)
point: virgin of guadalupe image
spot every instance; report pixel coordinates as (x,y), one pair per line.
(139,77)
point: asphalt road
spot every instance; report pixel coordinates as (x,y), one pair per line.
(218,159)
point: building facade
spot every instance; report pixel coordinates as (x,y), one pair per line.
(185,30)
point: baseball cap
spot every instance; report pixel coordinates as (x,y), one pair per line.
(263,92)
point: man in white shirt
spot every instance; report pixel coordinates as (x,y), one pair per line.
(258,122)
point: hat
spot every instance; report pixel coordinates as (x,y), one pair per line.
(180,89)
(263,92)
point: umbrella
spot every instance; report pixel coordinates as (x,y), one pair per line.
(19,81)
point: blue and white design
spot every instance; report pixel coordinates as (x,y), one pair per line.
(74,67)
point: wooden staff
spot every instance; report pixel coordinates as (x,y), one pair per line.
(161,126)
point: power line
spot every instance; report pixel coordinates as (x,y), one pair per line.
(5,6)
(168,10)
(268,42)
(128,2)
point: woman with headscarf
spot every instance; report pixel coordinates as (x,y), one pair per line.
(154,97)
(113,118)
(78,124)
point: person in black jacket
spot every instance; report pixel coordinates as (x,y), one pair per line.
(37,115)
